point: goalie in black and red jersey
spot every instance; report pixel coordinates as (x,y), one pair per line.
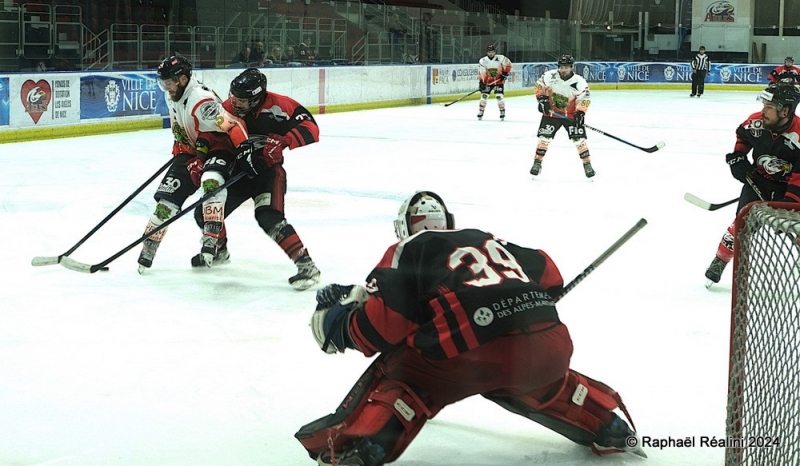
(773,136)
(454,313)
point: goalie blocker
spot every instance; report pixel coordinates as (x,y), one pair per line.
(380,417)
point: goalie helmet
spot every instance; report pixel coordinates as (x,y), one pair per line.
(249,90)
(425,210)
(173,67)
(566,60)
(782,95)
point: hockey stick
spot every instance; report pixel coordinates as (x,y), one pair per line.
(650,150)
(705,204)
(72,264)
(467,95)
(635,229)
(52,260)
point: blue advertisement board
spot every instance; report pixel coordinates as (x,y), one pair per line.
(121,94)
(5,104)
(653,73)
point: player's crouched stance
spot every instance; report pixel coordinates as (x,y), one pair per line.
(441,303)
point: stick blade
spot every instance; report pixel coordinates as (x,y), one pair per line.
(659,145)
(72,264)
(45,260)
(692,199)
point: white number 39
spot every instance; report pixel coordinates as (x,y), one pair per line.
(490,266)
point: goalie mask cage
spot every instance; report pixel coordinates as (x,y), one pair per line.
(763,421)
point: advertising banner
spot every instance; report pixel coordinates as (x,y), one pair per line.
(4,103)
(44,99)
(653,73)
(110,95)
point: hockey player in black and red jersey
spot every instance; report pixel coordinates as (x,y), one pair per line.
(773,137)
(193,111)
(563,98)
(493,71)
(272,122)
(786,73)
(453,313)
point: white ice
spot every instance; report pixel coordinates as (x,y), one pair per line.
(219,367)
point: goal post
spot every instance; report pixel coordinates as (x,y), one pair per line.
(763,409)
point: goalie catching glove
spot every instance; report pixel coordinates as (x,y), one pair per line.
(335,305)
(257,154)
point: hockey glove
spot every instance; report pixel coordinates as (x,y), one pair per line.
(505,75)
(195,168)
(249,156)
(544,104)
(739,165)
(330,324)
(579,117)
(483,88)
(273,149)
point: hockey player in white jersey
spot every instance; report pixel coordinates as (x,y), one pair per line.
(494,69)
(193,112)
(563,98)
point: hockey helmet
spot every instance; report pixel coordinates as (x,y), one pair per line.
(782,95)
(249,90)
(173,67)
(566,60)
(424,210)
(491,48)
(788,59)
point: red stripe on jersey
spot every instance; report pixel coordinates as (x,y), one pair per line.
(550,276)
(463,321)
(445,337)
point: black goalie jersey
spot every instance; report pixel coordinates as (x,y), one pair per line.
(447,292)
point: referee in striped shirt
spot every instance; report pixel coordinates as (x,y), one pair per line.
(700,66)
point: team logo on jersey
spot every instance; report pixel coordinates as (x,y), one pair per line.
(773,165)
(112,94)
(483,316)
(756,127)
(209,111)
(276,113)
(35,98)
(180,134)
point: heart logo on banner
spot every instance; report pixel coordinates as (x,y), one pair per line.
(35,97)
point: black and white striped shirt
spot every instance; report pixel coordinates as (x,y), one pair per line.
(701,62)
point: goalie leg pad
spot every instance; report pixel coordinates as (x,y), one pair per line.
(386,411)
(579,408)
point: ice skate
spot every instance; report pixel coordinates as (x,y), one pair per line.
(502,115)
(618,437)
(588,170)
(364,453)
(219,256)
(714,271)
(147,255)
(537,167)
(307,274)
(480,115)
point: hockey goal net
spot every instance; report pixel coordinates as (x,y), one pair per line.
(763,422)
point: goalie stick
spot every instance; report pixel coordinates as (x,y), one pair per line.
(52,260)
(72,264)
(691,198)
(614,247)
(659,145)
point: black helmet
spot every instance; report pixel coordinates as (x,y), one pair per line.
(174,66)
(491,48)
(789,59)
(566,60)
(249,89)
(782,95)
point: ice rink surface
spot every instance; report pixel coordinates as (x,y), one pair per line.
(219,367)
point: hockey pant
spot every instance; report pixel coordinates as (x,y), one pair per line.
(499,95)
(577,410)
(549,126)
(756,189)
(388,412)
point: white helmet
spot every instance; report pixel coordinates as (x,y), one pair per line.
(425,210)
